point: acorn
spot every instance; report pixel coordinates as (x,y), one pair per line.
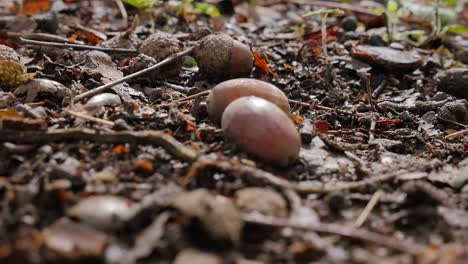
(226,92)
(12,72)
(262,129)
(161,45)
(220,57)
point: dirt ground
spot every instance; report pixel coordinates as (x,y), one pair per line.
(137,172)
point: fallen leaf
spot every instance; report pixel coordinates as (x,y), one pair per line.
(31,7)
(144,166)
(261,61)
(120,149)
(321,126)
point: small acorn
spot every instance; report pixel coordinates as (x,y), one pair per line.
(12,72)
(161,45)
(262,129)
(226,92)
(220,57)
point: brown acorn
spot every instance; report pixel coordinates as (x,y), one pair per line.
(161,45)
(226,92)
(220,57)
(12,72)
(262,129)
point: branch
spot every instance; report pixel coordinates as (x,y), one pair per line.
(76,46)
(157,138)
(333,229)
(157,66)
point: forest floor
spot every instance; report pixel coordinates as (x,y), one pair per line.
(142,175)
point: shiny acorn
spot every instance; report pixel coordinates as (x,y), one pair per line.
(228,91)
(262,129)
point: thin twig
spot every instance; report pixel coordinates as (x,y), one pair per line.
(368,209)
(325,108)
(457,134)
(109,85)
(37,36)
(333,229)
(344,6)
(76,46)
(157,138)
(123,12)
(372,127)
(89,118)
(260,177)
(190,97)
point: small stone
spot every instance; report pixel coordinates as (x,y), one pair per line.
(387,58)
(349,23)
(453,81)
(66,241)
(214,217)
(261,200)
(194,256)
(104,212)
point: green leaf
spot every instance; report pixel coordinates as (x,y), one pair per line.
(139,3)
(392,6)
(455,29)
(189,62)
(207,9)
(379,11)
(451,3)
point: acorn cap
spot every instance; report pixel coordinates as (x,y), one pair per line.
(12,72)
(161,45)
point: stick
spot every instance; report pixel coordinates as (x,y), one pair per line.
(89,118)
(109,85)
(76,46)
(157,138)
(343,6)
(123,12)
(368,209)
(190,97)
(260,177)
(457,134)
(349,232)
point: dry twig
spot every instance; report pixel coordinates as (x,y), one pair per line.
(109,85)
(350,232)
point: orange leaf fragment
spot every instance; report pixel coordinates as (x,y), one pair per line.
(31,7)
(322,126)
(120,149)
(144,166)
(261,61)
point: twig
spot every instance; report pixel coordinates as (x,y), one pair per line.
(157,138)
(343,6)
(457,134)
(372,127)
(325,108)
(89,118)
(190,97)
(333,229)
(109,85)
(379,89)
(260,177)
(123,12)
(37,36)
(365,213)
(76,46)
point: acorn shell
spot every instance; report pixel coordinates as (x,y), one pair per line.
(161,45)
(262,129)
(220,57)
(12,72)
(226,92)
